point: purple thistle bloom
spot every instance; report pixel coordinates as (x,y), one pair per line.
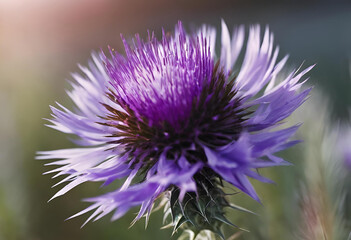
(173,114)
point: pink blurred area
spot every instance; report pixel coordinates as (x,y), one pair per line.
(50,30)
(42,29)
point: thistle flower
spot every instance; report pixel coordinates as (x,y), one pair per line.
(173,118)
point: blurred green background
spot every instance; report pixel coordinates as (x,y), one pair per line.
(41,42)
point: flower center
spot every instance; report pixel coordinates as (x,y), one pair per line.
(215,120)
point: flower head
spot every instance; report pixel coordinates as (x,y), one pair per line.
(173,118)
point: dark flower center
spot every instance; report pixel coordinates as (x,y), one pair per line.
(215,120)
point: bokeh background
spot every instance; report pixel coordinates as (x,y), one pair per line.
(41,43)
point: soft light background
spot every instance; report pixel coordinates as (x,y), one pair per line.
(41,42)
